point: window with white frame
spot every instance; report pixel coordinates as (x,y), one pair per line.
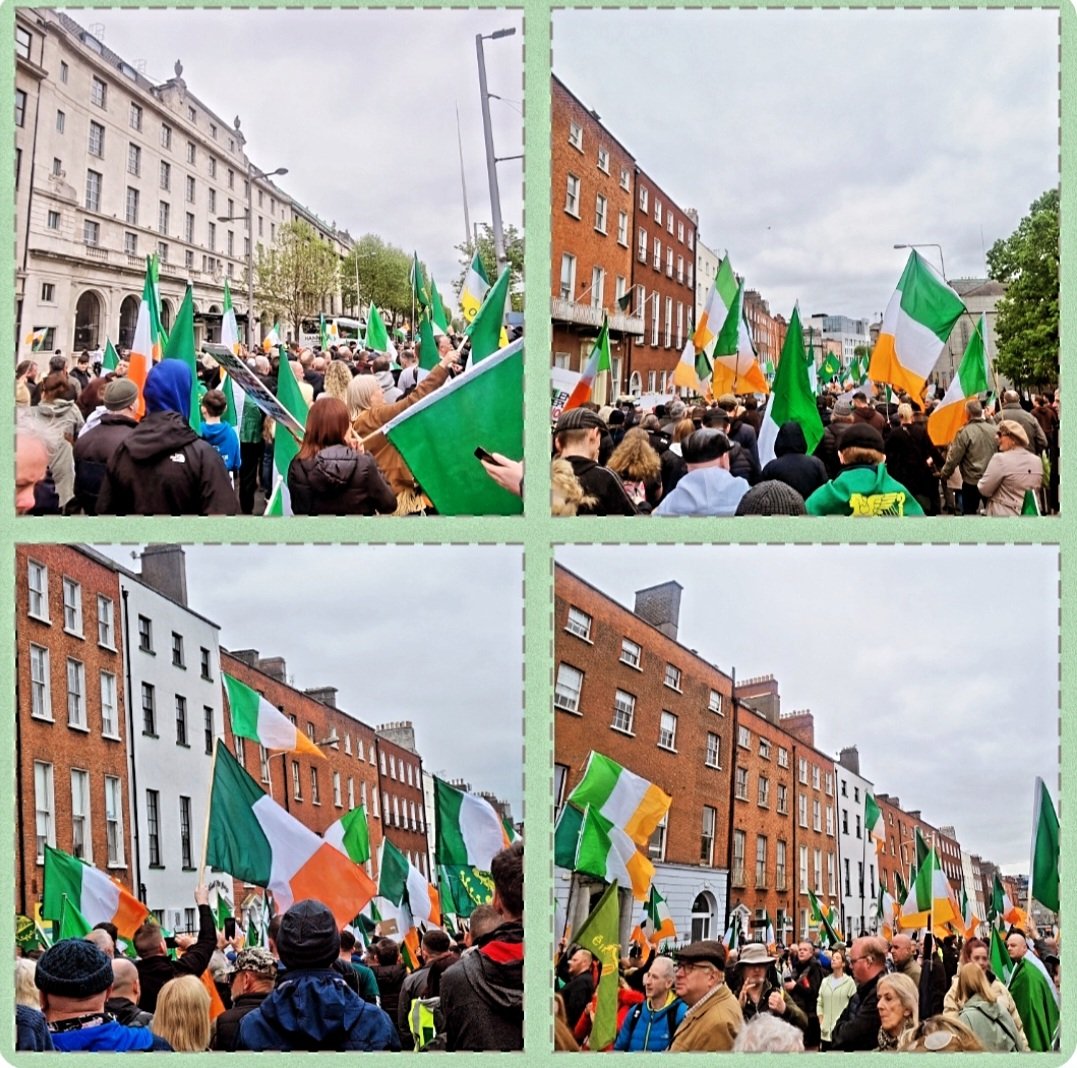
(764,748)
(669,261)
(598,287)
(817,869)
(741,784)
(779,865)
(297,782)
(680,324)
(667,731)
(744,737)
(572,195)
(673,677)
(81,842)
(601,211)
(815,776)
(575,135)
(658,211)
(568,276)
(714,750)
(830,820)
(761,861)
(829,785)
(816,816)
(98,92)
(783,757)
(624,711)
(803,869)
(579,623)
(110,725)
(714,702)
(783,799)
(604,160)
(654,321)
(44,808)
(105,622)
(40,686)
(114,822)
(642,245)
(643,199)
(37,583)
(657,260)
(336,789)
(802,809)
(76,694)
(736,874)
(630,652)
(763,792)
(656,847)
(186,851)
(669,321)
(263,763)
(802,770)
(392,766)
(566,693)
(96,144)
(706,843)
(626,179)
(72,606)
(680,269)
(622,228)
(669,221)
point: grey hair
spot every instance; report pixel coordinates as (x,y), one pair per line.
(765,1033)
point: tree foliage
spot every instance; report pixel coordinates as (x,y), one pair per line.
(383,271)
(514,250)
(294,278)
(1027,325)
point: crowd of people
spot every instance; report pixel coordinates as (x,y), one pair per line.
(873,459)
(311,987)
(900,995)
(91,442)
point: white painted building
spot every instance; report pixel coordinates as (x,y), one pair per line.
(174,715)
(110,168)
(857,866)
(849,333)
(707,262)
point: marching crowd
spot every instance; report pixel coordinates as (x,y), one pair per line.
(310,988)
(84,448)
(872,995)
(873,459)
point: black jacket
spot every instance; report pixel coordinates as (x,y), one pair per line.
(93,450)
(126,1012)
(163,467)
(791,465)
(226,1033)
(154,972)
(339,481)
(858,1026)
(602,484)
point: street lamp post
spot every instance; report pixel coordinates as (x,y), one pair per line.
(491,161)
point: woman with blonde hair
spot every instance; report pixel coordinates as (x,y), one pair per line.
(369,413)
(983,1012)
(943,1034)
(25,987)
(182,1015)
(975,951)
(640,468)
(899,1010)
(337,379)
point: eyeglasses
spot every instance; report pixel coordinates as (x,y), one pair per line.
(688,966)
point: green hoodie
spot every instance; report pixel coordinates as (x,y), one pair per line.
(863,490)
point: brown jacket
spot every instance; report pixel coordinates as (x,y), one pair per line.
(711,1024)
(388,459)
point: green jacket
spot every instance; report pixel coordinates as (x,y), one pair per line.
(863,490)
(971,451)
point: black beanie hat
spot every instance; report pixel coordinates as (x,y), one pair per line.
(308,936)
(771,498)
(703,446)
(73,968)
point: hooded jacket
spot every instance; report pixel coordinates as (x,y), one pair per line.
(863,490)
(645,1028)
(93,450)
(791,464)
(339,481)
(163,467)
(56,422)
(482,996)
(109,1037)
(316,1011)
(705,491)
(992,1025)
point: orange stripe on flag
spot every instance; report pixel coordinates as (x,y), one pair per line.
(335,880)
(885,367)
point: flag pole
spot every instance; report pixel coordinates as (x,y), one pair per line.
(209,811)
(863,879)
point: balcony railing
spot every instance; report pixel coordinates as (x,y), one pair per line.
(570,311)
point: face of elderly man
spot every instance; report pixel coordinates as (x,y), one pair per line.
(658,981)
(695,979)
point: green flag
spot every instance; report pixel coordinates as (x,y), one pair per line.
(350,835)
(111,358)
(1000,957)
(830,368)
(418,282)
(486,329)
(437,309)
(393,879)
(438,435)
(1037,1002)
(822,918)
(599,934)
(377,337)
(922,849)
(72,923)
(285,447)
(429,357)
(180,346)
(224,910)
(1043,881)
(566,837)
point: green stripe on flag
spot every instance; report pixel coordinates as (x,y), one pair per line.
(972,370)
(243,705)
(566,837)
(62,878)
(236,842)
(485,329)
(927,299)
(356,835)
(393,879)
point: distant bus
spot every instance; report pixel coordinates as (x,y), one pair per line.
(348,331)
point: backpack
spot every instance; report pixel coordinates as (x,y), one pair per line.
(671,1014)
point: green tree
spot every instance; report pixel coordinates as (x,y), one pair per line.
(1027,324)
(514,250)
(383,272)
(294,278)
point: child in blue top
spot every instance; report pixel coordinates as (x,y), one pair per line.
(220,435)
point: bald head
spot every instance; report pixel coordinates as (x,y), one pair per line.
(103,941)
(902,948)
(125,980)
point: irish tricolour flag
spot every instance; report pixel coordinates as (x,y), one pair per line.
(255,718)
(930,901)
(661,922)
(971,379)
(735,368)
(916,324)
(468,829)
(252,838)
(606,852)
(597,362)
(91,892)
(627,800)
(873,819)
(694,366)
(351,835)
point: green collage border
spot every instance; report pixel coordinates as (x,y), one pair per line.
(537,533)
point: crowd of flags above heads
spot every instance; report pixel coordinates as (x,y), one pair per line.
(720,356)
(610,815)
(251,837)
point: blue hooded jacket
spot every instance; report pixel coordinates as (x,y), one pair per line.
(111,1037)
(168,388)
(317,1010)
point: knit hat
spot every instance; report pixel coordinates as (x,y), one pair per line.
(120,393)
(703,446)
(257,961)
(308,936)
(579,419)
(1015,430)
(843,407)
(73,968)
(861,436)
(771,498)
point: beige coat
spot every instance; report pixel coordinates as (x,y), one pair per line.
(711,1024)
(1007,477)
(951,1007)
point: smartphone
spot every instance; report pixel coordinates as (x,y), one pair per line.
(230,927)
(170,942)
(482,454)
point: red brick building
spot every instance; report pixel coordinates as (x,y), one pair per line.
(591,238)
(768,331)
(664,274)
(400,780)
(626,688)
(70,723)
(898,853)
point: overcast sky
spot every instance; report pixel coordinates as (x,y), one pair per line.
(358,105)
(431,634)
(813,141)
(940,663)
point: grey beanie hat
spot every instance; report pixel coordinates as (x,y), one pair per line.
(771,498)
